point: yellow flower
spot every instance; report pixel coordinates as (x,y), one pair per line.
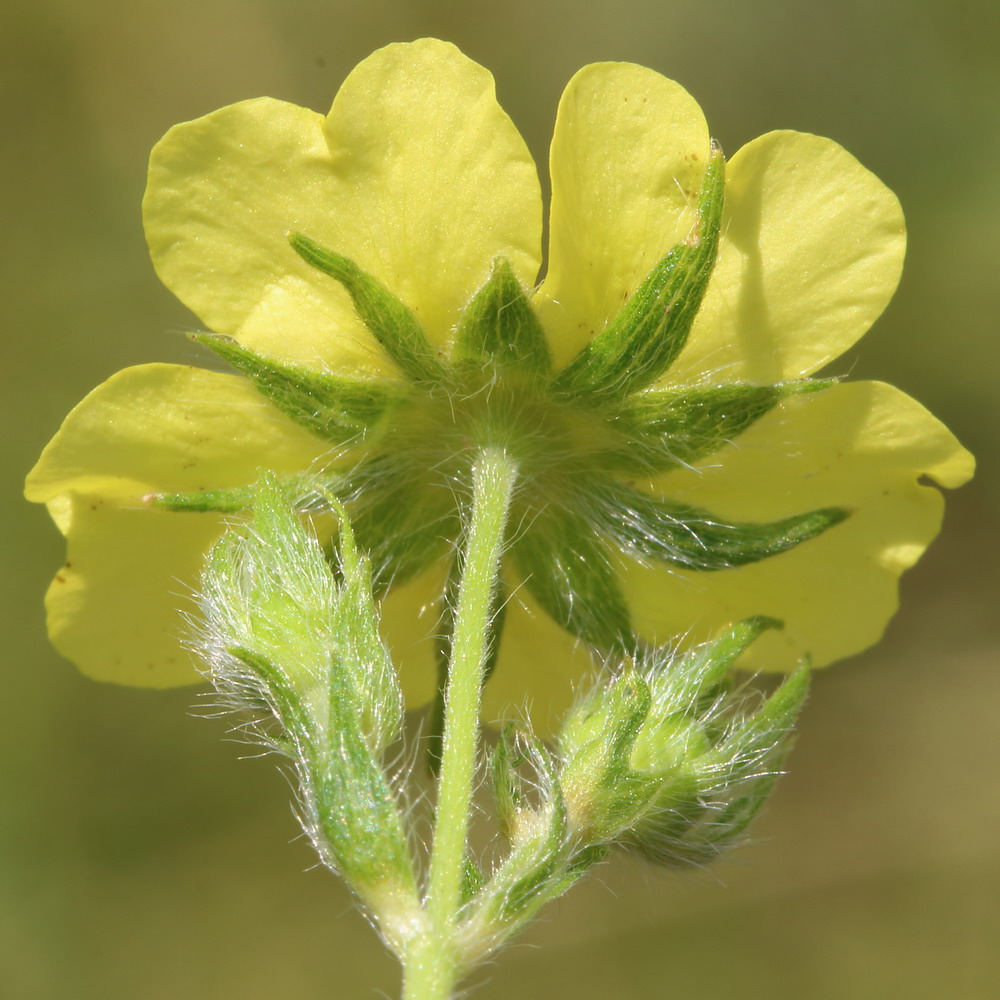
(419,179)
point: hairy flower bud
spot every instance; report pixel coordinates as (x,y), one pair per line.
(666,759)
(295,644)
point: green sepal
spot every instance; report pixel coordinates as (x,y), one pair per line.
(647,335)
(357,811)
(272,585)
(506,783)
(709,762)
(526,879)
(568,570)
(332,407)
(404,525)
(278,695)
(231,501)
(374,690)
(608,720)
(781,710)
(743,770)
(695,538)
(698,676)
(500,329)
(301,492)
(393,324)
(596,745)
(355,807)
(683,831)
(666,428)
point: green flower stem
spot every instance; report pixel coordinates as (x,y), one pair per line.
(433,963)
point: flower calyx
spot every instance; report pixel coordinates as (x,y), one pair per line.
(582,436)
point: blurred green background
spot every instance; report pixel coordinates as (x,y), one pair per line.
(141,859)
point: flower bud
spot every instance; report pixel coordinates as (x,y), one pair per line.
(665,758)
(297,645)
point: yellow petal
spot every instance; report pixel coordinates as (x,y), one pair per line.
(811,252)
(116,609)
(540,665)
(863,446)
(627,160)
(416,174)
(296,322)
(168,428)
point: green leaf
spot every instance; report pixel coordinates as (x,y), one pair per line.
(647,335)
(666,428)
(529,872)
(332,407)
(694,537)
(499,326)
(393,324)
(472,878)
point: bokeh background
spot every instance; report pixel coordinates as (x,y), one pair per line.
(140,858)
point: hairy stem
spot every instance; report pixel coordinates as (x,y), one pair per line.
(433,963)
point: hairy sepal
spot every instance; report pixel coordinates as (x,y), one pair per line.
(641,343)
